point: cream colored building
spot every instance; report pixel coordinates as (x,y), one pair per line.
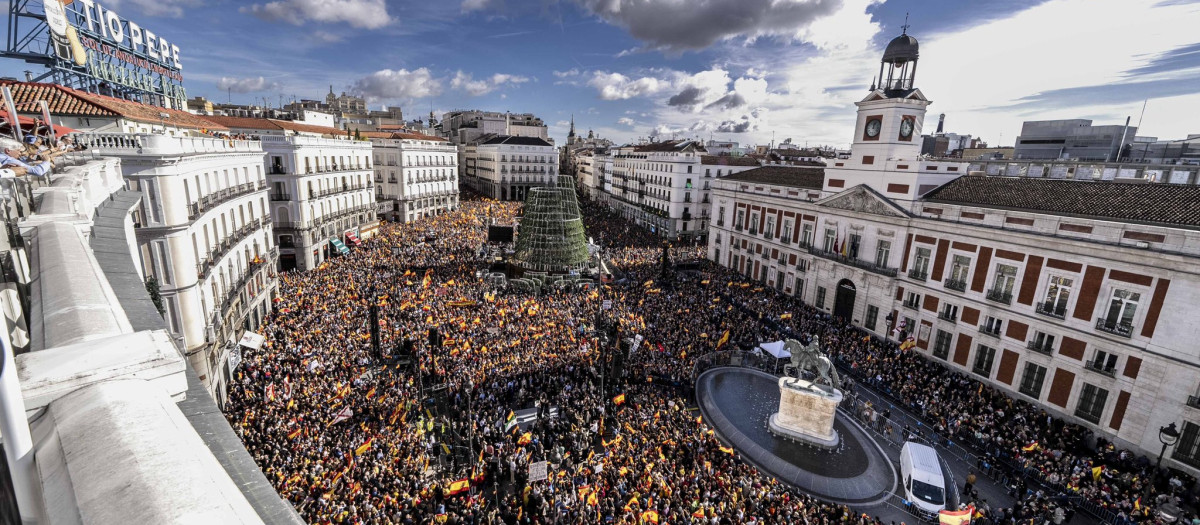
(506,167)
(322,197)
(1074,294)
(417,173)
(204,233)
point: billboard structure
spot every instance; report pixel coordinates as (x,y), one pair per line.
(86,46)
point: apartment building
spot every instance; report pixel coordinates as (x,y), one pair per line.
(322,195)
(506,167)
(417,174)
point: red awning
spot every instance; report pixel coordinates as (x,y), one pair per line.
(353,238)
(27,124)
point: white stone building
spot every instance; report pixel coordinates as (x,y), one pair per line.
(417,174)
(665,186)
(204,233)
(506,167)
(1074,294)
(321,192)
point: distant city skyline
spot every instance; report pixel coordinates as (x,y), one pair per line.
(740,70)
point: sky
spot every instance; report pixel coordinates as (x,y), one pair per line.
(750,71)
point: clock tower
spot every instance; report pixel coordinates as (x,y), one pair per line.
(886,149)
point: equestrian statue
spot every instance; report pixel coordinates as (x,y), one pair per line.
(810,358)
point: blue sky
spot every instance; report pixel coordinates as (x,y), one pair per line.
(743,70)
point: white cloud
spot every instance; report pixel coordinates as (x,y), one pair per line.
(246,85)
(326,37)
(615,86)
(390,84)
(626,121)
(474,5)
(169,8)
(364,14)
(466,82)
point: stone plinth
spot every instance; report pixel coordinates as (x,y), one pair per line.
(806,413)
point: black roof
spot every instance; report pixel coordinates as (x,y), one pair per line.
(903,48)
(518,141)
(1153,203)
(726,160)
(795,177)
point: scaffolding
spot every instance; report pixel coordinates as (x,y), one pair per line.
(551,238)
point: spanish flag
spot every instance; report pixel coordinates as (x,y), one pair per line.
(525,438)
(785,316)
(362,449)
(295,434)
(650,516)
(458,487)
(727,450)
(592,499)
(1030,447)
(619,400)
(956,517)
(699,513)
(724,339)
(1096,472)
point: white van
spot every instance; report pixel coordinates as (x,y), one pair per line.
(921,473)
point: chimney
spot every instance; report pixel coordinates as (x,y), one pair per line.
(941,123)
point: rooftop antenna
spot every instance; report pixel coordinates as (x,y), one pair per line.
(904,28)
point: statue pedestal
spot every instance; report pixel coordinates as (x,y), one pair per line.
(806,413)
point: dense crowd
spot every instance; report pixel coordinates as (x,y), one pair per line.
(349,441)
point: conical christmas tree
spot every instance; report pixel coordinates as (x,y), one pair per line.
(551,238)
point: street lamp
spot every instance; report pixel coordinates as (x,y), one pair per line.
(1168,436)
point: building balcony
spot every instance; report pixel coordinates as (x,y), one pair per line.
(212,200)
(275,197)
(992,331)
(1193,401)
(850,261)
(1041,348)
(999,296)
(1050,310)
(1114,327)
(1100,368)
(918,275)
(957,285)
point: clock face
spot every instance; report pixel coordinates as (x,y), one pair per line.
(906,128)
(873,126)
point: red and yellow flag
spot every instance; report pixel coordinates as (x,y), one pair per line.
(620,399)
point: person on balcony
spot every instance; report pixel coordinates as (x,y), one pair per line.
(14,164)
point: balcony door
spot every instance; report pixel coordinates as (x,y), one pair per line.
(843,304)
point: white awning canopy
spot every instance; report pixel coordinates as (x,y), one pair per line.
(252,340)
(776,349)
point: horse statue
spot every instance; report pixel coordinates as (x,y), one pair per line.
(810,358)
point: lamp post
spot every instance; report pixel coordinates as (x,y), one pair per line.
(1168,436)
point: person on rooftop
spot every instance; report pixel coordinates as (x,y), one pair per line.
(14,163)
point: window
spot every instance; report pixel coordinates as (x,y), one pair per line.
(912,299)
(871,318)
(949,312)
(741,217)
(820,297)
(1031,382)
(1188,449)
(959,271)
(1058,292)
(991,325)
(689,171)
(800,289)
(883,251)
(721,217)
(855,240)
(1002,286)
(753,224)
(1091,403)
(941,344)
(786,236)
(1104,362)
(806,235)
(920,268)
(1121,309)
(1042,342)
(830,240)
(984,355)
(770,231)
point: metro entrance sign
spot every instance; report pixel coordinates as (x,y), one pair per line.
(88,46)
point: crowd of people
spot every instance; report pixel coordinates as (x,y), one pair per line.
(432,436)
